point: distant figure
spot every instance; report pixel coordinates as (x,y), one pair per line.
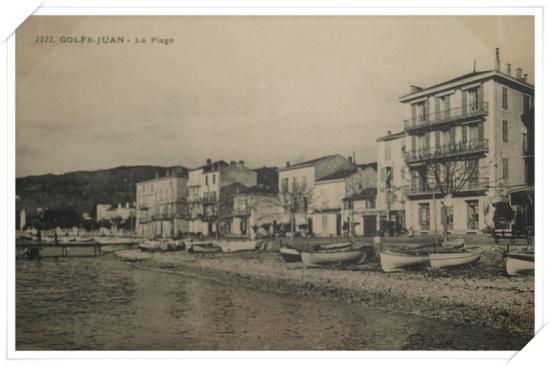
(56,241)
(38,236)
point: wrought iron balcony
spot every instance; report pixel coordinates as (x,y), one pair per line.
(455,115)
(431,189)
(448,151)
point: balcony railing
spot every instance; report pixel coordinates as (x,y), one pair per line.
(447,151)
(430,188)
(448,115)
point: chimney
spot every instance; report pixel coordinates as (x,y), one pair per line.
(241,162)
(350,159)
(288,163)
(208,161)
(233,162)
(389,132)
(497,60)
(518,73)
(509,69)
(525,77)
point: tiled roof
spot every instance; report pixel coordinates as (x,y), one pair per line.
(338,175)
(307,163)
(454,80)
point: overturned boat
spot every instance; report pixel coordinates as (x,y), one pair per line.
(455,258)
(519,263)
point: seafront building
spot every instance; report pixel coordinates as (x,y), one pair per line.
(122,212)
(161,205)
(211,188)
(297,188)
(466,142)
(337,208)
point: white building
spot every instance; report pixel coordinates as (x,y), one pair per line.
(162,209)
(477,123)
(209,195)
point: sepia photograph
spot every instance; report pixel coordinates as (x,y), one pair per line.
(275,183)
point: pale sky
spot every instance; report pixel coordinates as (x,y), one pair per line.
(265,90)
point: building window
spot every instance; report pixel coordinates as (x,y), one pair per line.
(324,224)
(304,180)
(213,178)
(388,178)
(464,135)
(504,131)
(524,143)
(284,185)
(505,172)
(206,179)
(504,98)
(424,216)
(473,96)
(472,215)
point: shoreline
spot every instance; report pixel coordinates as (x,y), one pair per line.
(481,296)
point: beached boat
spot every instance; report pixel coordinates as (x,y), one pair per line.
(334,246)
(457,258)
(392,261)
(237,246)
(150,246)
(336,256)
(519,263)
(203,247)
(290,254)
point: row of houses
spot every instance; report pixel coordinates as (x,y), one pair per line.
(466,144)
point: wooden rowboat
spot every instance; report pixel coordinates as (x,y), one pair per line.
(337,256)
(517,263)
(399,261)
(290,254)
(452,259)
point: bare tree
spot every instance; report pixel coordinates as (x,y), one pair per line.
(449,177)
(295,199)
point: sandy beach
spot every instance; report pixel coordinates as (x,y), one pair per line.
(483,295)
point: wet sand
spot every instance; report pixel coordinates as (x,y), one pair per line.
(483,296)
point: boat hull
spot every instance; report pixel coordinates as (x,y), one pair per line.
(440,260)
(236,246)
(396,262)
(290,255)
(517,264)
(203,248)
(325,258)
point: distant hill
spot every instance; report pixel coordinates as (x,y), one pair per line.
(82,190)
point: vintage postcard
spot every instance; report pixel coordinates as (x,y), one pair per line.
(275,183)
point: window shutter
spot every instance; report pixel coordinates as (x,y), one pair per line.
(480,97)
(437,107)
(464,102)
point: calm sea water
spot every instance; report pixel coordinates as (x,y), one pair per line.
(105,304)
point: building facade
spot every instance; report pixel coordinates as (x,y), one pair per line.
(297,188)
(161,206)
(211,192)
(330,210)
(466,143)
